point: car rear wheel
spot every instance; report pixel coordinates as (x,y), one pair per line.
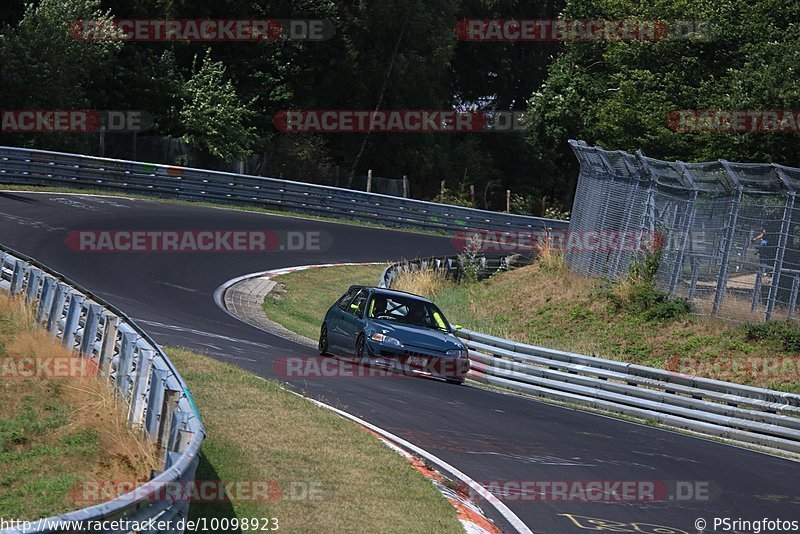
(323,341)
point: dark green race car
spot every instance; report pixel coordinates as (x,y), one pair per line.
(395,330)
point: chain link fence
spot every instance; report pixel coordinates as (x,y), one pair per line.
(727,234)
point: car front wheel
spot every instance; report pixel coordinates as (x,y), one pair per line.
(323,341)
(361,350)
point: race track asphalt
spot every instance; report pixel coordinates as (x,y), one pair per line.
(488,435)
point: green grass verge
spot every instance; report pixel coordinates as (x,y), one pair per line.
(300,301)
(258,431)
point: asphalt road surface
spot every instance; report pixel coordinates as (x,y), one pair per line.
(489,436)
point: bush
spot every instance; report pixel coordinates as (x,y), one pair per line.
(470,259)
(643,300)
(784,332)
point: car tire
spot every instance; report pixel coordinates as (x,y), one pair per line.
(361,357)
(322,347)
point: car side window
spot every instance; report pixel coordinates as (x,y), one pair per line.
(357,306)
(346,298)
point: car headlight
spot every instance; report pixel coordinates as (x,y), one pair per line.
(388,340)
(458,353)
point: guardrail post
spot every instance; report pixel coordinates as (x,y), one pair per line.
(90,329)
(144,364)
(108,345)
(32,290)
(155,401)
(18,277)
(46,300)
(57,310)
(180,421)
(722,278)
(73,317)
(123,371)
(168,408)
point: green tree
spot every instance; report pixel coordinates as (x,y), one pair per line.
(212,115)
(619,94)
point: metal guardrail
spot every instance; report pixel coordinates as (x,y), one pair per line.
(157,400)
(41,168)
(738,412)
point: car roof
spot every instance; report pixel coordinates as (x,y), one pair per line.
(386,291)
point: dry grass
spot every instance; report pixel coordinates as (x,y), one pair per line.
(427,283)
(56,433)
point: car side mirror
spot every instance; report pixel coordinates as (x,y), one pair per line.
(457,326)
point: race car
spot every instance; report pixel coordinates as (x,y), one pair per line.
(395,330)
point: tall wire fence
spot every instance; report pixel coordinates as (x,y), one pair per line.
(727,234)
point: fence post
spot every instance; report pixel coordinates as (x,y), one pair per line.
(693,283)
(405,186)
(793,297)
(687,228)
(722,278)
(783,239)
(369,181)
(756,292)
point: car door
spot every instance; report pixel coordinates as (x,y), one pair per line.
(352,322)
(336,341)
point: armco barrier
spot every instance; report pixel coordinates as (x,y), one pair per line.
(761,417)
(158,403)
(20,166)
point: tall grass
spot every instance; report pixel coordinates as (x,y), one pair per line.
(425,283)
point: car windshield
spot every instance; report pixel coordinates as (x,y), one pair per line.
(407,310)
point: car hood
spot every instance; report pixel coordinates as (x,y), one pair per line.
(415,336)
